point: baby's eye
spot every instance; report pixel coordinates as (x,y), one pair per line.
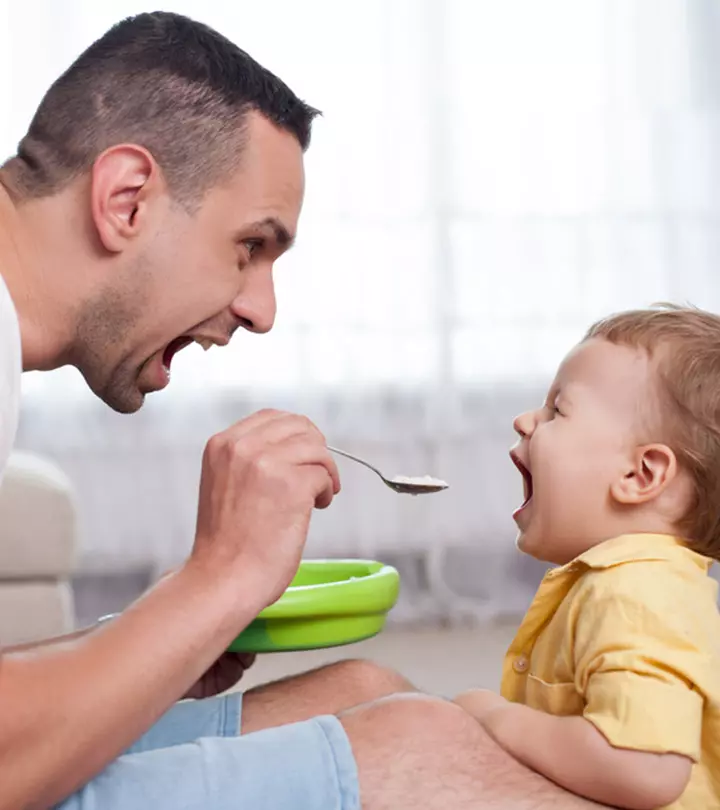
(253,245)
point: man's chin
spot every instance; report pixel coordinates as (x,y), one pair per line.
(126,406)
(122,388)
(127,400)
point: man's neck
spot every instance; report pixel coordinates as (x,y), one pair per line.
(29,271)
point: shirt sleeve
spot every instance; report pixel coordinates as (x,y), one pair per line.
(10,371)
(639,659)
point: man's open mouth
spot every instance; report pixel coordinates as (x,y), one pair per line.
(173,348)
(527,479)
(180,343)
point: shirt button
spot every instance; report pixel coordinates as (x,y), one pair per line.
(521,664)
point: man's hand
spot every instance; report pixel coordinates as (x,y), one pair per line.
(261,480)
(222,675)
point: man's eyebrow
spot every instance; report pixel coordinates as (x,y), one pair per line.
(282,236)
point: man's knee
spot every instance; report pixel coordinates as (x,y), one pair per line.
(416,750)
(415,717)
(328,690)
(369,681)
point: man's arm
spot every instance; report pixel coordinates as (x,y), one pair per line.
(48,642)
(69,708)
(54,640)
(575,755)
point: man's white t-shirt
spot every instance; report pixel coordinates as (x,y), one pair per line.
(10,374)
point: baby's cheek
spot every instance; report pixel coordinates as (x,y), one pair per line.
(570,502)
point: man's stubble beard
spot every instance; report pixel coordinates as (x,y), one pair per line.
(104,330)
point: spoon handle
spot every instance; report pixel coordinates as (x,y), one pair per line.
(355,458)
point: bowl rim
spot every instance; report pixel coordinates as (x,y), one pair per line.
(374,592)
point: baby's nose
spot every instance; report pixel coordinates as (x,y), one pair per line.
(524,424)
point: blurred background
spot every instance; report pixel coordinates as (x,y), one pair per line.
(487,179)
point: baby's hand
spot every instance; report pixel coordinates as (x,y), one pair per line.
(478,702)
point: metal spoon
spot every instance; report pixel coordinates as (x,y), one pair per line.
(410,486)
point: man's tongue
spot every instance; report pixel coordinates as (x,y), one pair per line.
(173,348)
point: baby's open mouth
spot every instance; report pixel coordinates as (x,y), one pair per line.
(527,479)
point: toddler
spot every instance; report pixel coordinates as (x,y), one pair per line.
(611,687)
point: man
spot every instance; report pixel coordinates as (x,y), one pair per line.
(160,179)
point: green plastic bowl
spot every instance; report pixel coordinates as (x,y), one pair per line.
(329,603)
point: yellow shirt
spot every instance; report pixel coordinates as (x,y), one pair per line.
(628,636)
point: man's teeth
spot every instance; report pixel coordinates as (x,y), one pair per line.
(204,342)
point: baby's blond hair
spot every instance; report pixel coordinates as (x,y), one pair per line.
(684,345)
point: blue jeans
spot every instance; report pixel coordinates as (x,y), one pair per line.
(194,759)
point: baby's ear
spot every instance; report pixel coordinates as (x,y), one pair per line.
(652,468)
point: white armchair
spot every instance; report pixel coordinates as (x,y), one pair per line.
(38,544)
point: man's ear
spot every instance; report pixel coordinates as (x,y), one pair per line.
(653,467)
(124,180)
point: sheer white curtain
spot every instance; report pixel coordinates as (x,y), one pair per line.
(487,179)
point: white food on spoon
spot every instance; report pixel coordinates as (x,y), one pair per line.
(420,480)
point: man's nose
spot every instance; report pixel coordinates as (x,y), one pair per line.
(255,307)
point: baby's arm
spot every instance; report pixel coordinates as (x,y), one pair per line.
(575,755)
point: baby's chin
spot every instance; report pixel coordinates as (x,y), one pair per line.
(532,544)
(524,543)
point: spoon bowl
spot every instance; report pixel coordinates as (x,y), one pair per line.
(406,485)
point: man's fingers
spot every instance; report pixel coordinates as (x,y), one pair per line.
(246,659)
(250,442)
(326,495)
(300,451)
(271,427)
(255,421)
(260,480)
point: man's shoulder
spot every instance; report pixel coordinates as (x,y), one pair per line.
(9,328)
(10,372)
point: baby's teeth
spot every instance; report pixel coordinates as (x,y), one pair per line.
(204,342)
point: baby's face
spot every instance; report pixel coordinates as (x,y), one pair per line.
(576,446)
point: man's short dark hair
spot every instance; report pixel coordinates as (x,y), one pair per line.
(162,81)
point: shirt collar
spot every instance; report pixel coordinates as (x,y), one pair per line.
(640,547)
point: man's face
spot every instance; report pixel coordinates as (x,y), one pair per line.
(195,276)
